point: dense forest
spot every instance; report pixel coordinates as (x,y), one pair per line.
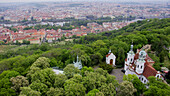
(26,70)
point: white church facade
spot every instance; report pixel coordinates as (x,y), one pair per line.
(110,58)
(140,65)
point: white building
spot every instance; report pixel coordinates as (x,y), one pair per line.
(139,64)
(78,63)
(58,71)
(110,58)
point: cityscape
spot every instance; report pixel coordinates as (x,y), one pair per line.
(99,17)
(84,47)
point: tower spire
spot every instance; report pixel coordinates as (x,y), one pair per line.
(77,58)
(110,51)
(132,46)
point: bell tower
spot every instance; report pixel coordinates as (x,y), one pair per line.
(140,62)
(130,58)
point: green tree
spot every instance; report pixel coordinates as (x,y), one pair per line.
(85,59)
(45,76)
(93,92)
(44,47)
(88,69)
(121,58)
(101,71)
(8,74)
(70,70)
(14,29)
(55,92)
(157,87)
(60,80)
(162,56)
(27,91)
(18,43)
(25,42)
(55,63)
(107,67)
(96,58)
(19,81)
(93,80)
(40,87)
(112,79)
(126,88)
(136,83)
(74,89)
(108,89)
(5,88)
(41,62)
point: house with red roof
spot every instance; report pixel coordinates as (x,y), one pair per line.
(140,65)
(30,32)
(35,41)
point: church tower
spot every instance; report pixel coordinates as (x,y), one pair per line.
(140,62)
(130,58)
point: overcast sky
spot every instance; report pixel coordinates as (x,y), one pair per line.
(7,1)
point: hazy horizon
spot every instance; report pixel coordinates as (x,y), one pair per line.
(142,1)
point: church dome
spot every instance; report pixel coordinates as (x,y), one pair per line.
(142,54)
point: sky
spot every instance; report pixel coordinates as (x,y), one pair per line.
(10,1)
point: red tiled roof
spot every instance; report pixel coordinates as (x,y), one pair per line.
(33,39)
(30,31)
(38,33)
(136,56)
(78,35)
(83,34)
(149,70)
(108,55)
(126,59)
(20,38)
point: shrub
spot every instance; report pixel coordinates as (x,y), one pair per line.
(107,67)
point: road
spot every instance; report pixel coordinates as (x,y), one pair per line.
(118,73)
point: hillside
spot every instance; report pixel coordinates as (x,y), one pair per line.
(31,64)
(155,32)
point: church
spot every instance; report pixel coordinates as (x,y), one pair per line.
(78,63)
(140,65)
(110,58)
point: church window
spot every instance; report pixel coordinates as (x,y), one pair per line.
(138,66)
(142,79)
(141,67)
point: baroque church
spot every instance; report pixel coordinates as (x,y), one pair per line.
(140,64)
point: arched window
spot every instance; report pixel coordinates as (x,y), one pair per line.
(141,67)
(131,59)
(157,76)
(138,66)
(139,77)
(142,78)
(145,81)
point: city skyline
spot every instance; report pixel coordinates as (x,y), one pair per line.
(11,1)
